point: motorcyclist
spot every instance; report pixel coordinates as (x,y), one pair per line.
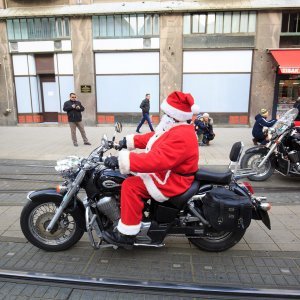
(166,168)
(258,134)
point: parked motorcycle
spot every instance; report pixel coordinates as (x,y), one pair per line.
(213,213)
(281,153)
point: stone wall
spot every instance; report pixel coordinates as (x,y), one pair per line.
(264,66)
(8,114)
(83,63)
(170,54)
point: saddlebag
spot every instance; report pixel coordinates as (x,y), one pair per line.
(227,211)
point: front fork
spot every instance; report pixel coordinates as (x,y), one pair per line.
(272,149)
(67,199)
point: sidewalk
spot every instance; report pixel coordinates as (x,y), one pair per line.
(52,143)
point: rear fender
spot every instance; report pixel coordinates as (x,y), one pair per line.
(262,215)
(52,195)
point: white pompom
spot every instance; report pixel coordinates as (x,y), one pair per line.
(195,109)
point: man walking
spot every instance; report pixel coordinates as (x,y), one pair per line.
(145,106)
(73,107)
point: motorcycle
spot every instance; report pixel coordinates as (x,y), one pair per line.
(213,213)
(281,153)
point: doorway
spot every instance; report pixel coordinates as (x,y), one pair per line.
(50,98)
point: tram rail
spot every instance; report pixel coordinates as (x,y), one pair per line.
(101,283)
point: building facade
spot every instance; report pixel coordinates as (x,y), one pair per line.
(234,58)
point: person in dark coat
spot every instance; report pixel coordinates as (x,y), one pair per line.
(261,121)
(297,105)
(145,107)
(73,107)
(204,129)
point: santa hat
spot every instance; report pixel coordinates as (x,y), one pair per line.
(180,106)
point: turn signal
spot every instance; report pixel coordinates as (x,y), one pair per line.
(248,186)
(61,189)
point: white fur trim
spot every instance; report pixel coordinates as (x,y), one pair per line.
(128,229)
(176,113)
(160,181)
(130,141)
(195,109)
(124,162)
(152,189)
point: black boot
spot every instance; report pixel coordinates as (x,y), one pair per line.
(119,239)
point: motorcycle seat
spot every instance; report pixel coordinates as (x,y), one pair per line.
(180,200)
(204,175)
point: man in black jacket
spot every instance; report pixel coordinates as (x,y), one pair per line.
(73,107)
(145,106)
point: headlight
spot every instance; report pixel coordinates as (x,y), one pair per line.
(70,164)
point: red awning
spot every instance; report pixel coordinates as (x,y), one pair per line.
(288,61)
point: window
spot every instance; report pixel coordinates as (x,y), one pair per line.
(290,23)
(133,25)
(220,23)
(38,28)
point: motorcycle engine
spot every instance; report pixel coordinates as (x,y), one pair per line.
(109,207)
(294,157)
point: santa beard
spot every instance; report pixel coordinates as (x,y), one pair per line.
(165,124)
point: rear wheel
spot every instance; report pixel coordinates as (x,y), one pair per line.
(217,241)
(252,160)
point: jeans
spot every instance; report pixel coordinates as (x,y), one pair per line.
(145,118)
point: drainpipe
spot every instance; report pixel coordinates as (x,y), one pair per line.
(8,109)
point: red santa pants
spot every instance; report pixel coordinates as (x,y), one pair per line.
(133,191)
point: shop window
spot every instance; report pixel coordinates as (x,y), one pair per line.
(220,23)
(133,25)
(288,93)
(38,28)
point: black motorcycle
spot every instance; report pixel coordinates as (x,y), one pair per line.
(281,153)
(213,213)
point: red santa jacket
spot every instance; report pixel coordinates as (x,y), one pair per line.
(167,163)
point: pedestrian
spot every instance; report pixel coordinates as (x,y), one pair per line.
(166,168)
(145,106)
(73,107)
(297,105)
(204,129)
(259,136)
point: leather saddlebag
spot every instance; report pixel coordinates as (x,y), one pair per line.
(227,211)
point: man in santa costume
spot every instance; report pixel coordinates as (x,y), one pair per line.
(165,169)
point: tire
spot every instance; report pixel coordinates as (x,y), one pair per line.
(252,160)
(218,241)
(35,218)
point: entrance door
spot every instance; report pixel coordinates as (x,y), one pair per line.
(51,105)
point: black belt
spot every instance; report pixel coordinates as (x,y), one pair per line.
(186,175)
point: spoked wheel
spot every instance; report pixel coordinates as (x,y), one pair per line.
(217,241)
(35,218)
(252,161)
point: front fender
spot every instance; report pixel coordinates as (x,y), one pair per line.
(51,194)
(44,194)
(258,149)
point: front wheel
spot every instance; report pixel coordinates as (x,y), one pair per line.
(217,241)
(35,218)
(252,160)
